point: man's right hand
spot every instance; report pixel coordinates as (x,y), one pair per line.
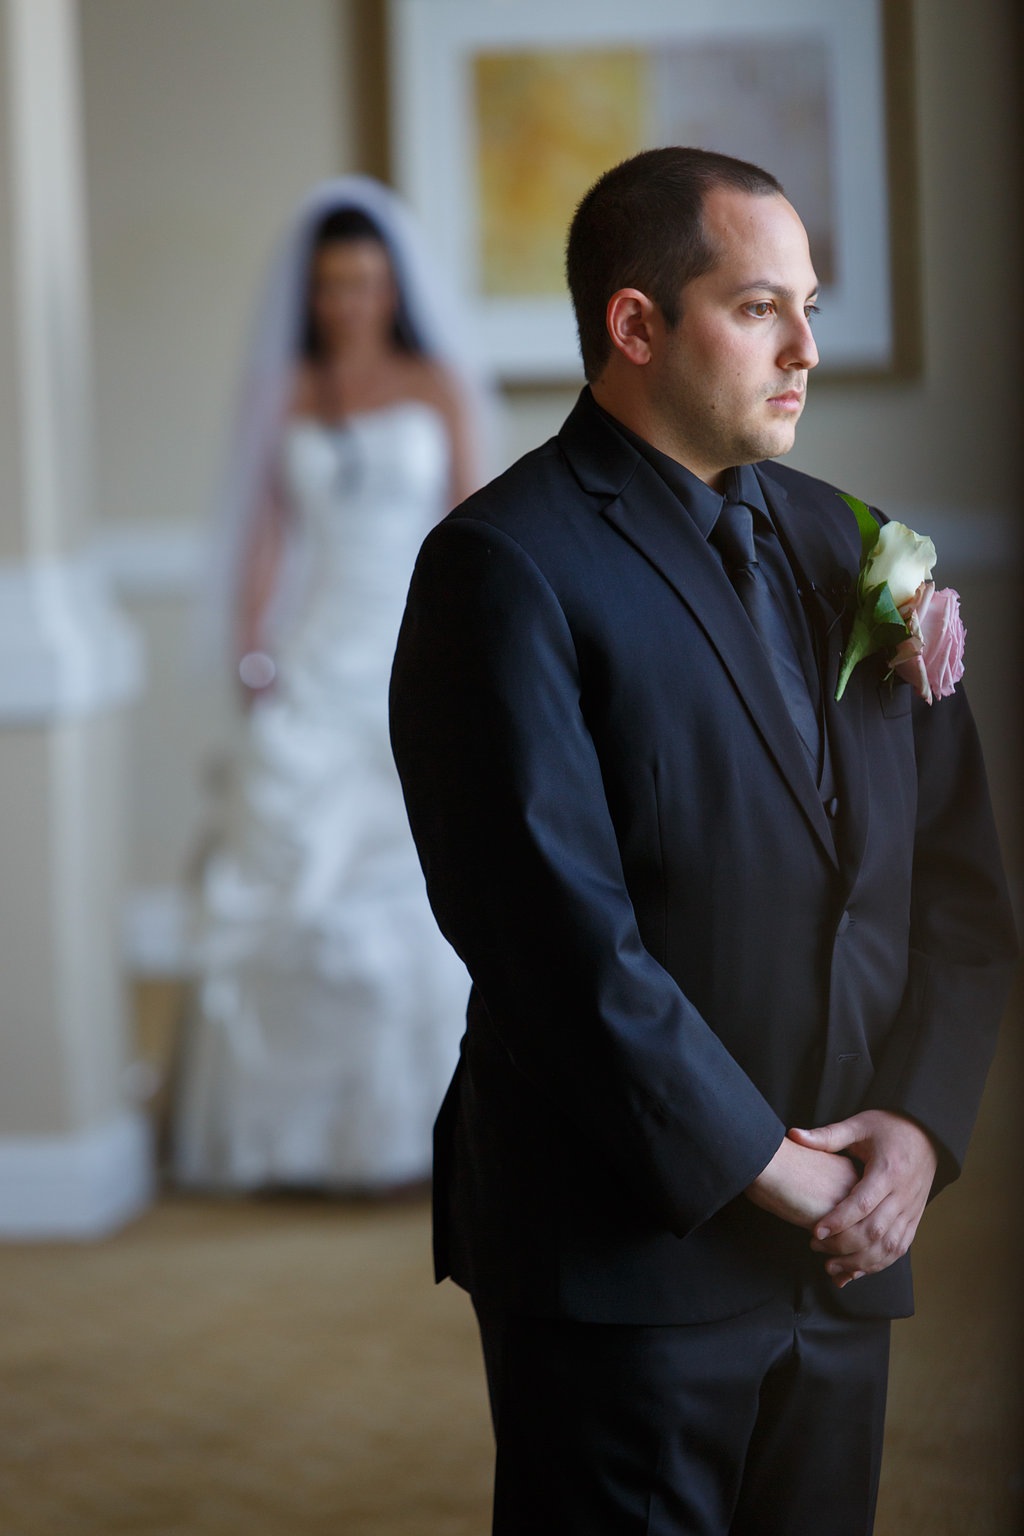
(801,1185)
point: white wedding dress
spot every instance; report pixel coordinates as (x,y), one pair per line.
(329,1007)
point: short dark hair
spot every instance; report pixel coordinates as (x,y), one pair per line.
(641,225)
(338,226)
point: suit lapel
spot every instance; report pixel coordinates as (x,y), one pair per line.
(645,512)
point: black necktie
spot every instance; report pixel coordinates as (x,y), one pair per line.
(733,537)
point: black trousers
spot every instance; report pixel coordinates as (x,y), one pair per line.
(767,1424)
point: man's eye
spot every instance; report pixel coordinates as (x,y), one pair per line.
(760,308)
(810,310)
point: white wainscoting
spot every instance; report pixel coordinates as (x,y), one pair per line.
(75,1187)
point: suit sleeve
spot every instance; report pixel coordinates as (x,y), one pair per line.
(506,801)
(962,940)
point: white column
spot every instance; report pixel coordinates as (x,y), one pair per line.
(74,1154)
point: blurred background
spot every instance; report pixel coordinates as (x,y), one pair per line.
(150,153)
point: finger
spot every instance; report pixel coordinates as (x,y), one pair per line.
(818,1138)
(837,1137)
(865,1236)
(877,1255)
(864,1198)
(855,1268)
(893,1216)
(839,1281)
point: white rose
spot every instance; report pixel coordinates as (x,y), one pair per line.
(902,559)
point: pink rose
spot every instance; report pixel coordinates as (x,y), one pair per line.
(931,658)
(943,633)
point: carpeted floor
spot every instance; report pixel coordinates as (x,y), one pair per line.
(286,1368)
(264,1368)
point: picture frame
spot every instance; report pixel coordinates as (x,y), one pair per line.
(503,113)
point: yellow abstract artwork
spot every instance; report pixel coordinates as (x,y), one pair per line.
(548,123)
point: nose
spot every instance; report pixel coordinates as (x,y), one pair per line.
(800,350)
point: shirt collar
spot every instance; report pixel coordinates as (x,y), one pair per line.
(742,484)
(699,500)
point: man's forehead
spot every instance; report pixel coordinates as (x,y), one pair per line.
(737,218)
(759,241)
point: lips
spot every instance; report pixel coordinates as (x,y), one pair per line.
(791,397)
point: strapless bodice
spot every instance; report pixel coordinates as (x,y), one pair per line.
(365,492)
(367,477)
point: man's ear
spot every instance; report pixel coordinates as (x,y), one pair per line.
(629,318)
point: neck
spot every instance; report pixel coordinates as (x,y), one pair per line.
(358,355)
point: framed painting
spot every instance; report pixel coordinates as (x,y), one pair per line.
(504,113)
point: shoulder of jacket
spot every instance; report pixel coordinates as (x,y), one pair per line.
(534,486)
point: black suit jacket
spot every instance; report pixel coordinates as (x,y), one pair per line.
(676,953)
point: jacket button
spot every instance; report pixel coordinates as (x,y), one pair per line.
(844,922)
(832,807)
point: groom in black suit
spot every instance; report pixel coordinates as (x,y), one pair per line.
(702,905)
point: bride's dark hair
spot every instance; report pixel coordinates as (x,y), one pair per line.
(335,228)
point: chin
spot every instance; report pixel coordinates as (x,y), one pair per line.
(756,449)
(775,444)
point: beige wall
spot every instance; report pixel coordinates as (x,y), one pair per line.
(12,488)
(951,437)
(205,122)
(206,119)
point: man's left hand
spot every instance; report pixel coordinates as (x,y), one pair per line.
(876,1223)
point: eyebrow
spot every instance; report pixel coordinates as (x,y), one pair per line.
(778,289)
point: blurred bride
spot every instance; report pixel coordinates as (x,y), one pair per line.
(328,1008)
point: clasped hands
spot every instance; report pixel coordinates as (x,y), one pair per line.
(859,1185)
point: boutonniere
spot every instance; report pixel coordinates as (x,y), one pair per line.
(897,609)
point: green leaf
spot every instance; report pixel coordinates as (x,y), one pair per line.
(884,613)
(869,528)
(877,626)
(857,647)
